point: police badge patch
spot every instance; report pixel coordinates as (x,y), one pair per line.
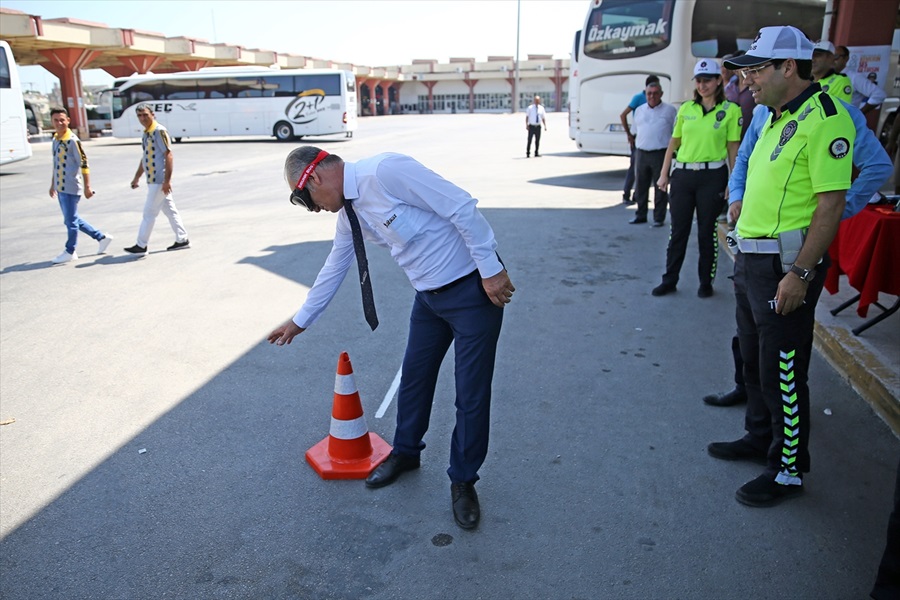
(839,148)
(787,133)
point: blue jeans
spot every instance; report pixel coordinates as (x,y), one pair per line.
(68,203)
(463,315)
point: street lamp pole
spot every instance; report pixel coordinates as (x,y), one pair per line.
(515,98)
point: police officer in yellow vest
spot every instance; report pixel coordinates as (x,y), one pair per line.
(796,182)
(835,84)
(701,152)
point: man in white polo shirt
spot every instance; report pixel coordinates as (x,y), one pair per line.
(653,124)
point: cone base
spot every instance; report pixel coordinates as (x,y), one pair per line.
(328,468)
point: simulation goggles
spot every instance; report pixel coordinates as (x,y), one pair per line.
(300,196)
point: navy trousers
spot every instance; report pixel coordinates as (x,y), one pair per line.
(465,316)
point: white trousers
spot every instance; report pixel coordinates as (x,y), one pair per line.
(156,201)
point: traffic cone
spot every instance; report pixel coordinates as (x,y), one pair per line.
(350,451)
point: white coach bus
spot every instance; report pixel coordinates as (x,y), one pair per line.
(234,101)
(624,41)
(14,145)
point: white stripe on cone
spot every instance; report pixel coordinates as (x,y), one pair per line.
(348,430)
(344,384)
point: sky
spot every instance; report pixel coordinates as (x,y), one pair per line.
(367,32)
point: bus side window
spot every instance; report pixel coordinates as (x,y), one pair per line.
(245,87)
(330,84)
(278,86)
(213,88)
(147,92)
(182,89)
(5,75)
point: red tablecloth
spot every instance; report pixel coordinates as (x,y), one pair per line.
(867,249)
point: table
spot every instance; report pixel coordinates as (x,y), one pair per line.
(867,249)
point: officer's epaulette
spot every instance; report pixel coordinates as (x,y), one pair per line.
(827,104)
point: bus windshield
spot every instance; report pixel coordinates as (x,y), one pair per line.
(628,28)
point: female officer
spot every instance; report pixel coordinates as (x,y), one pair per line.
(706,137)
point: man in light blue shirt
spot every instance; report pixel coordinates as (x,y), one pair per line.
(874,166)
(447,249)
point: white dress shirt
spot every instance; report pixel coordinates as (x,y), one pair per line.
(432,228)
(653,127)
(535,113)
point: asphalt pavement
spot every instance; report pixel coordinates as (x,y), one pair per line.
(155,441)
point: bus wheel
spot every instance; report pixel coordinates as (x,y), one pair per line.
(283,131)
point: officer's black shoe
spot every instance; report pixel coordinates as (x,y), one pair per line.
(738,450)
(732,398)
(705,290)
(764,491)
(637,220)
(387,472)
(663,289)
(466,510)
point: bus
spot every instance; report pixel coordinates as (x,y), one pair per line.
(573,83)
(236,101)
(624,41)
(14,145)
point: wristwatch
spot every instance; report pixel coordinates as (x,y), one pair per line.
(806,275)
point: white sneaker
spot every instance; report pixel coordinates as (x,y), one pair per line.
(64,258)
(104,244)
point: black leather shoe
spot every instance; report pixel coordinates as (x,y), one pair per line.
(637,221)
(663,289)
(388,471)
(466,509)
(764,491)
(705,291)
(737,450)
(658,224)
(735,396)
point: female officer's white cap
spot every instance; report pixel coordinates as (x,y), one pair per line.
(774,43)
(707,67)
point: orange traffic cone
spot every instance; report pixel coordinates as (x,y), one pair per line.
(349,451)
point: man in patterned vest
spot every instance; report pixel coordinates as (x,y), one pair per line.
(70,175)
(157,163)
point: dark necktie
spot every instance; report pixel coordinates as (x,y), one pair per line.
(368,299)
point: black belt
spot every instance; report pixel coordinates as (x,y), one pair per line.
(453,283)
(658,150)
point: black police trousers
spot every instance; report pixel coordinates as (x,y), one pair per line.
(690,191)
(776,350)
